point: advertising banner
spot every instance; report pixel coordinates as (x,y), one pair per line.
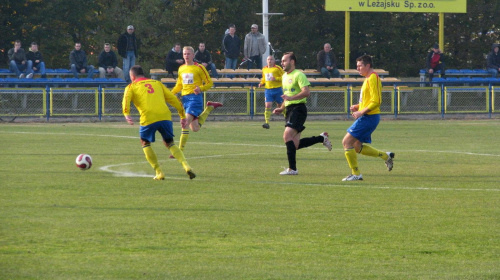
(402,6)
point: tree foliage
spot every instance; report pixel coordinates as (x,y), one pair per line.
(398,41)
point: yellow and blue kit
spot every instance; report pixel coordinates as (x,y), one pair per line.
(150,97)
(191,76)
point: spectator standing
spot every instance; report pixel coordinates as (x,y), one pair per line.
(493,61)
(193,80)
(271,79)
(78,62)
(18,63)
(150,97)
(37,63)
(127,48)
(108,63)
(254,47)
(327,62)
(231,47)
(174,59)
(203,57)
(296,91)
(367,116)
(435,62)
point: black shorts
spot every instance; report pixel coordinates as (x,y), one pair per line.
(296,115)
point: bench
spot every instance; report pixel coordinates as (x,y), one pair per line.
(308,72)
(56,73)
(467,80)
(65,82)
(243,82)
(156,74)
(458,73)
(344,72)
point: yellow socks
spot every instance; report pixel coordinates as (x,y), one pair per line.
(203,117)
(267,114)
(151,156)
(153,160)
(372,152)
(179,156)
(184,138)
(352,160)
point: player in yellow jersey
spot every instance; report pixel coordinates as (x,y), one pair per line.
(367,115)
(150,97)
(296,91)
(192,81)
(271,78)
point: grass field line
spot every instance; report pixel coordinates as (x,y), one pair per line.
(237,144)
(455,152)
(356,185)
(108,168)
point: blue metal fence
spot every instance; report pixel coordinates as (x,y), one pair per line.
(441,97)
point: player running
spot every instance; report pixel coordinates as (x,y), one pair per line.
(193,79)
(296,91)
(367,115)
(150,97)
(271,78)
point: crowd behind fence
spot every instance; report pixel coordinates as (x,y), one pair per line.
(248,100)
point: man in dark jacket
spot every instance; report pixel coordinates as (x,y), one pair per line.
(493,61)
(174,59)
(435,62)
(231,47)
(17,61)
(108,63)
(327,62)
(78,62)
(37,63)
(202,56)
(127,48)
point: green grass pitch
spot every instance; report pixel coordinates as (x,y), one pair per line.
(435,216)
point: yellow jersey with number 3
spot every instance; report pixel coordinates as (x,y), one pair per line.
(150,97)
(191,76)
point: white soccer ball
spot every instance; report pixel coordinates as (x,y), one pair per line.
(83,161)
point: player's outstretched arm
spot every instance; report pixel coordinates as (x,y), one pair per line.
(129,119)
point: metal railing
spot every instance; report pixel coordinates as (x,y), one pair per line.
(398,99)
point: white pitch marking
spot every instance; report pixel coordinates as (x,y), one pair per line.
(251,145)
(107,168)
(347,185)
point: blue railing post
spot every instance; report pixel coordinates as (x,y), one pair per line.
(490,103)
(99,102)
(47,102)
(442,100)
(395,101)
(349,88)
(252,94)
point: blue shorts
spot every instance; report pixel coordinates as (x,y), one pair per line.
(363,127)
(147,132)
(193,104)
(274,94)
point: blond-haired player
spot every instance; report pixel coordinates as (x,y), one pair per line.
(192,81)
